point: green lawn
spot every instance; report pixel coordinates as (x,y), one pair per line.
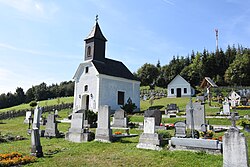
(120,153)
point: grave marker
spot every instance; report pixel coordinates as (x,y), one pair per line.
(180,129)
(198,115)
(149,139)
(51,127)
(154,113)
(234,148)
(36,148)
(103,130)
(120,119)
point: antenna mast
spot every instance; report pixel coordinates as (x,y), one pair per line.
(216,34)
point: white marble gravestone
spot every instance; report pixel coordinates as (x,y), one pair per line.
(149,139)
(234,148)
(27,117)
(226,108)
(103,130)
(120,119)
(77,132)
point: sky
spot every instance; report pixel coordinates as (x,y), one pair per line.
(43,40)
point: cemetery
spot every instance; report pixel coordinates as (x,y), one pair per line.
(114,141)
(111,122)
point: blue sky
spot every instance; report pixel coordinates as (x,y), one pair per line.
(43,40)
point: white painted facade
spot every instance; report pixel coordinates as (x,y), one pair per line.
(179,87)
(102,89)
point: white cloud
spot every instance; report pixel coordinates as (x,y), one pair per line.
(32,8)
(34,52)
(168,2)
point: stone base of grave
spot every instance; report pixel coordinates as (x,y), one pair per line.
(103,135)
(149,141)
(148,146)
(79,135)
(51,133)
(36,151)
(120,122)
(209,146)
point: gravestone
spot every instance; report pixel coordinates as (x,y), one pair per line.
(198,115)
(36,148)
(149,139)
(103,130)
(77,133)
(154,113)
(226,108)
(120,119)
(180,129)
(56,113)
(235,151)
(51,127)
(27,117)
(171,109)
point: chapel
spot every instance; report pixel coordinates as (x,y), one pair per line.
(100,80)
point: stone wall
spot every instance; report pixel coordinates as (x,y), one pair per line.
(18,113)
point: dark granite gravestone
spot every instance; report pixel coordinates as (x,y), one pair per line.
(154,113)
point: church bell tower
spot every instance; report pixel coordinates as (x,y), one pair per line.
(95,44)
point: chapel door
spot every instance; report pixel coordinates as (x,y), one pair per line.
(178,91)
(87,102)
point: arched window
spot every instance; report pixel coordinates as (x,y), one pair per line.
(89,51)
(85,88)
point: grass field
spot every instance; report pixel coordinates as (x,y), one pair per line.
(59,152)
(41,103)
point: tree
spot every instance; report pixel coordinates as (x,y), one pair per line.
(238,73)
(30,95)
(20,96)
(147,74)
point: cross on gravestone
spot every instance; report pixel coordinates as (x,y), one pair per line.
(36,148)
(233,119)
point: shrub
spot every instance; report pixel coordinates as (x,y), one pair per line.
(91,116)
(164,134)
(33,103)
(129,106)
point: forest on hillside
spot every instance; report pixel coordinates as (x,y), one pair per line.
(226,68)
(37,93)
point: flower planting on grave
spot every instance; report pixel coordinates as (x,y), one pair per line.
(243,107)
(208,134)
(168,126)
(15,159)
(118,133)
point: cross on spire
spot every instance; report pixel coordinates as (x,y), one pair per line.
(96,18)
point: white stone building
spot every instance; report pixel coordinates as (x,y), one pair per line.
(179,87)
(102,81)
